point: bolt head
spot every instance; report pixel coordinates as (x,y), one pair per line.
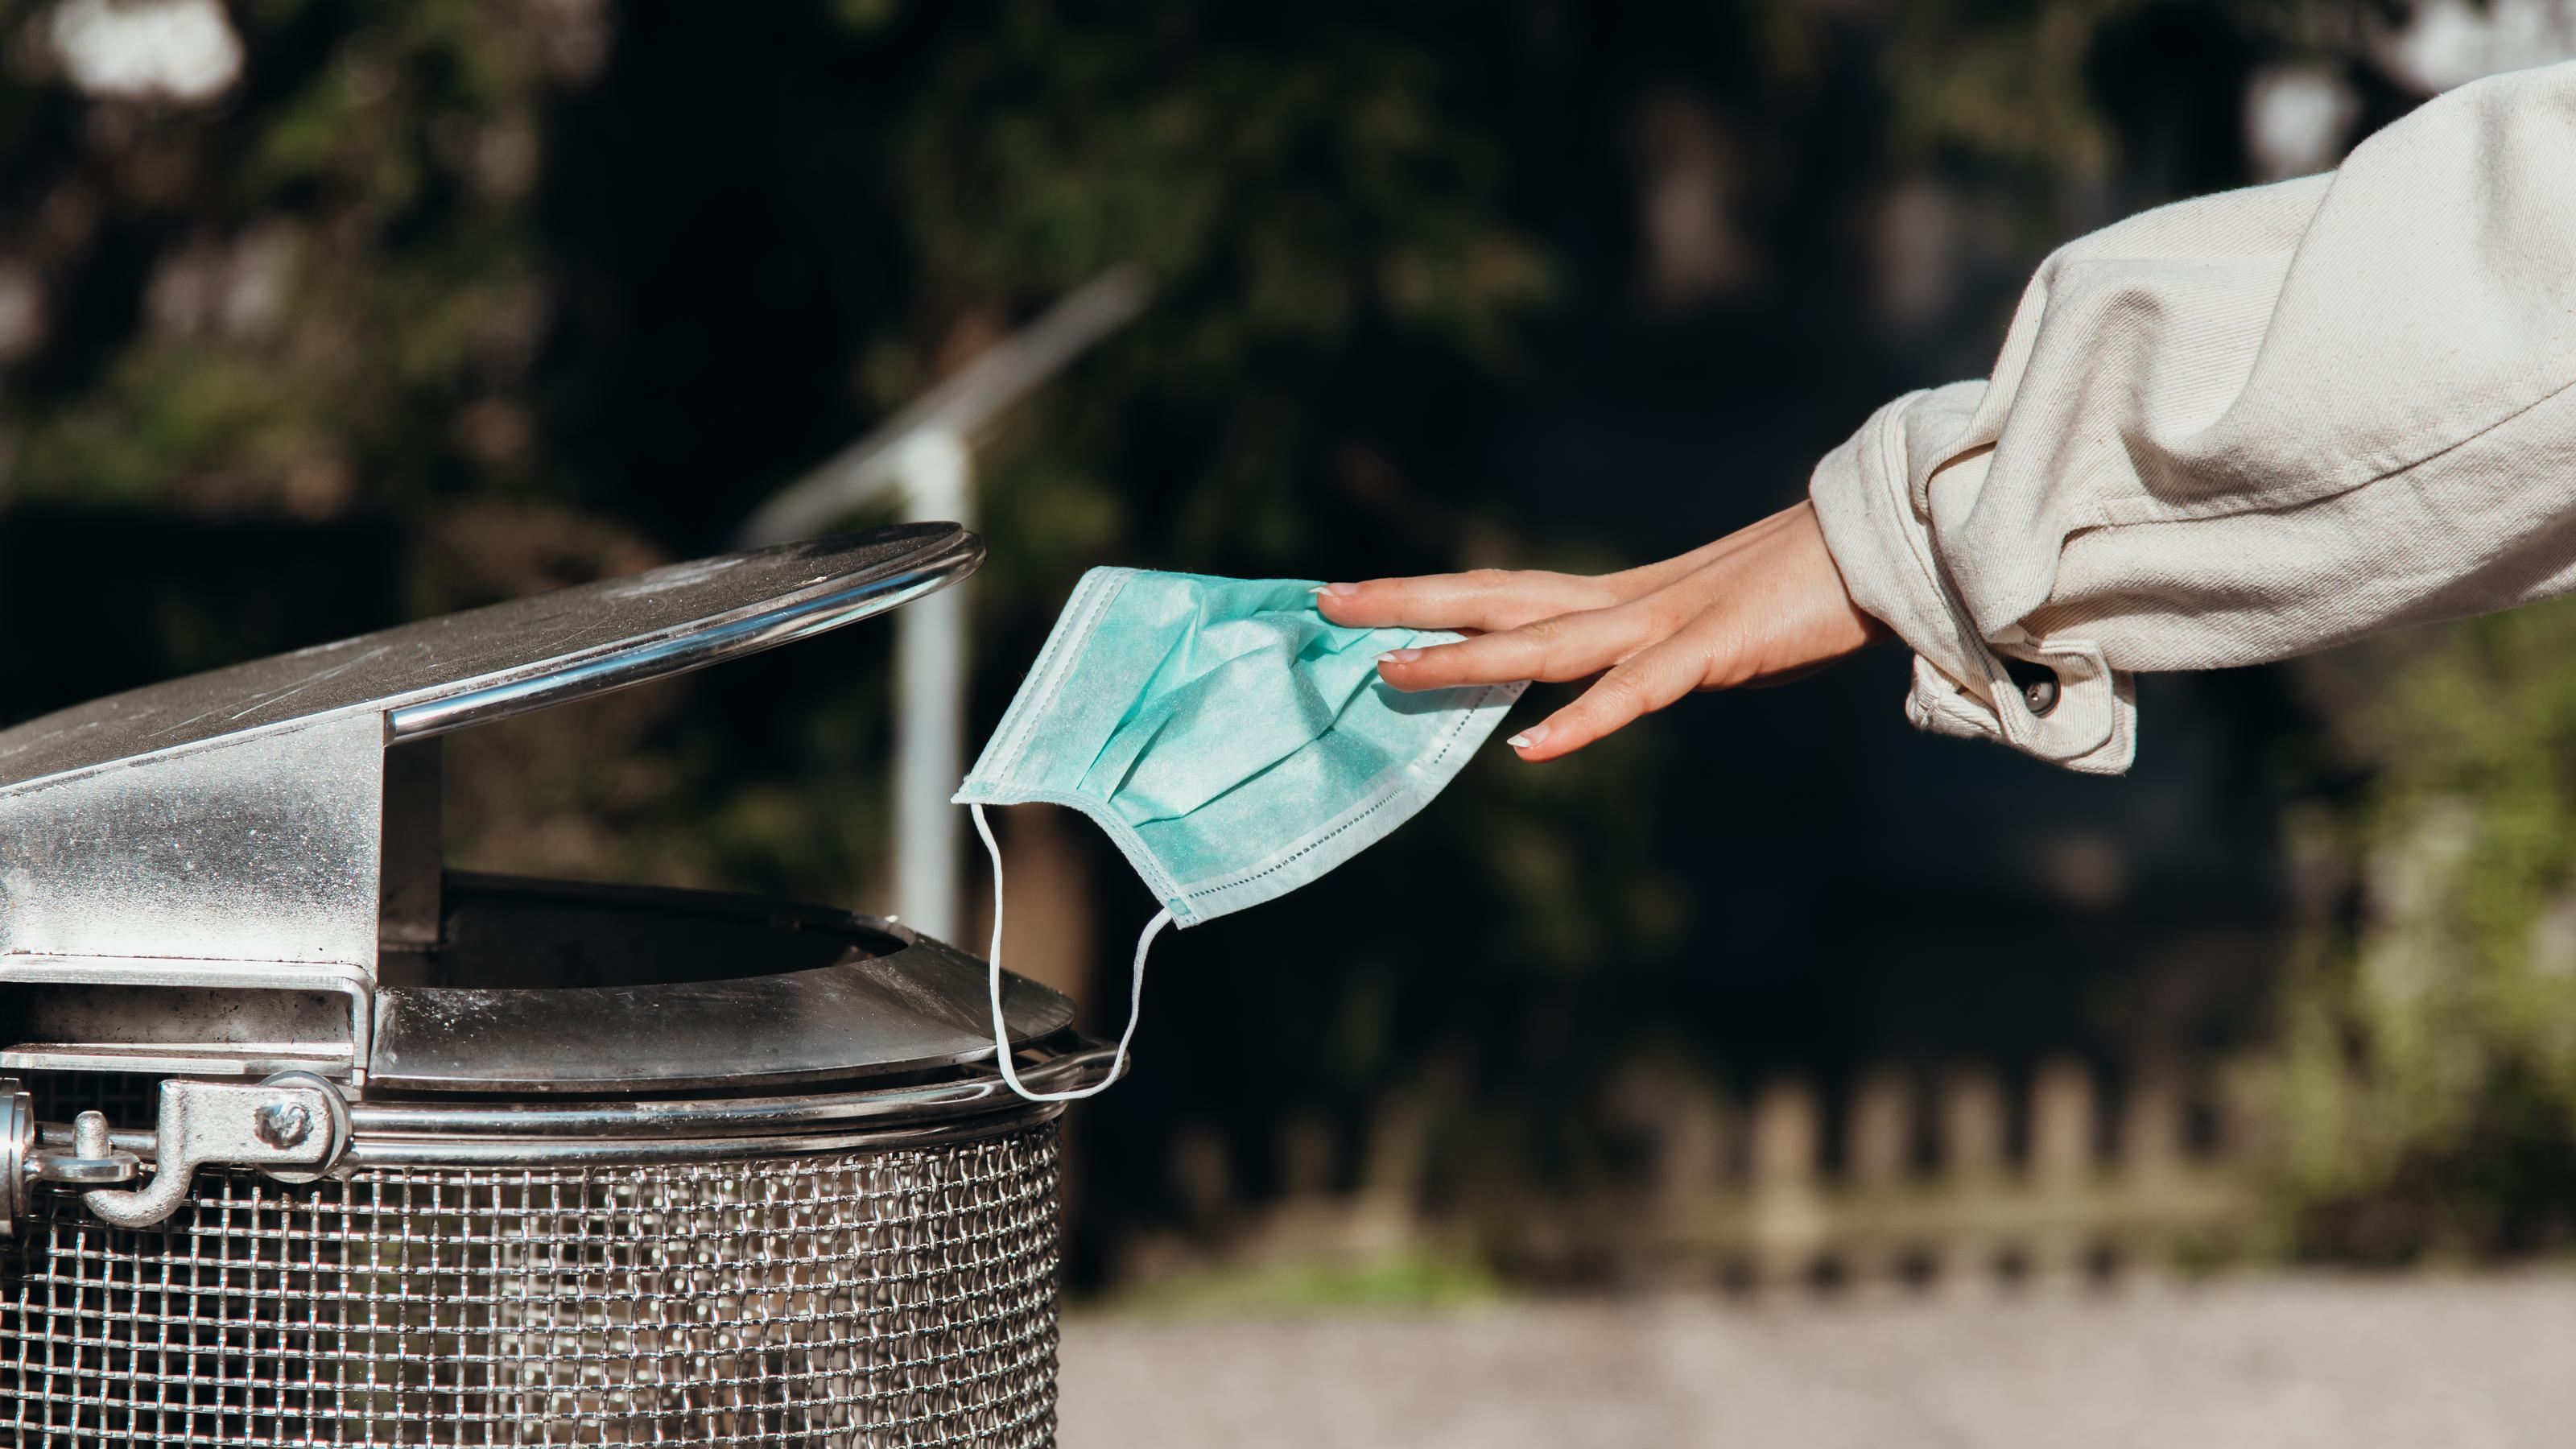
(283,1124)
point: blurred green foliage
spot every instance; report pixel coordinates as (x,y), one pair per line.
(557,289)
(2429,1033)
(2004,84)
(342,274)
(543,290)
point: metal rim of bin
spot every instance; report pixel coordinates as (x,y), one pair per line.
(427,1131)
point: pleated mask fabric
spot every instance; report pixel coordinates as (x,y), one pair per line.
(1234,742)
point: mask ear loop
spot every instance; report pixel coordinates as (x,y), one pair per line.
(993,959)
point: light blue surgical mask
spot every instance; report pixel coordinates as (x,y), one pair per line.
(1234,742)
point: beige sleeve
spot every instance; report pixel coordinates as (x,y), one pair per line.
(2242,427)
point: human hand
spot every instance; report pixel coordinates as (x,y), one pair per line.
(1762,605)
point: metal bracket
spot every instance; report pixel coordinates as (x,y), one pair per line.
(294,1120)
(146,1043)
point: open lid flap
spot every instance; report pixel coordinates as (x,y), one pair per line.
(232,823)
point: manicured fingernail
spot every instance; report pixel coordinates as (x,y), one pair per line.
(1535,734)
(1339,591)
(1399,656)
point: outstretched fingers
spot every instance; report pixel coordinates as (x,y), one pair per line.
(1649,681)
(1763,604)
(1485,600)
(1553,649)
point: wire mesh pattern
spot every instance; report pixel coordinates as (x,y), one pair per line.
(903,1297)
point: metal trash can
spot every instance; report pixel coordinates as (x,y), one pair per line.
(307,1140)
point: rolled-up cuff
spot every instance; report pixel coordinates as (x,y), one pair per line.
(1864,494)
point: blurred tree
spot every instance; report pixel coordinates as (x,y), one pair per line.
(556,290)
(2430,1030)
(477,297)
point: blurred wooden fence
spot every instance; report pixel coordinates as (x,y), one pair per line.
(1950,1179)
(1931,1191)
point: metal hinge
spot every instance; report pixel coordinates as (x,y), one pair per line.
(295,1121)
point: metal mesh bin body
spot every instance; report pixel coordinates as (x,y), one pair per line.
(883,1297)
(307,1139)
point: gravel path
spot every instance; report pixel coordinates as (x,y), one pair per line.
(2354,1363)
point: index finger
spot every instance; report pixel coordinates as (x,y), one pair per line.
(1484,600)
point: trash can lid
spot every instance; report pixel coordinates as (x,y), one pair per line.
(509,658)
(228,831)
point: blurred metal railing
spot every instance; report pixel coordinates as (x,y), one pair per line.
(924,456)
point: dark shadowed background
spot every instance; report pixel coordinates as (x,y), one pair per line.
(399,307)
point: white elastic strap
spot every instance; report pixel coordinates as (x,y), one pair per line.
(1001,1029)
